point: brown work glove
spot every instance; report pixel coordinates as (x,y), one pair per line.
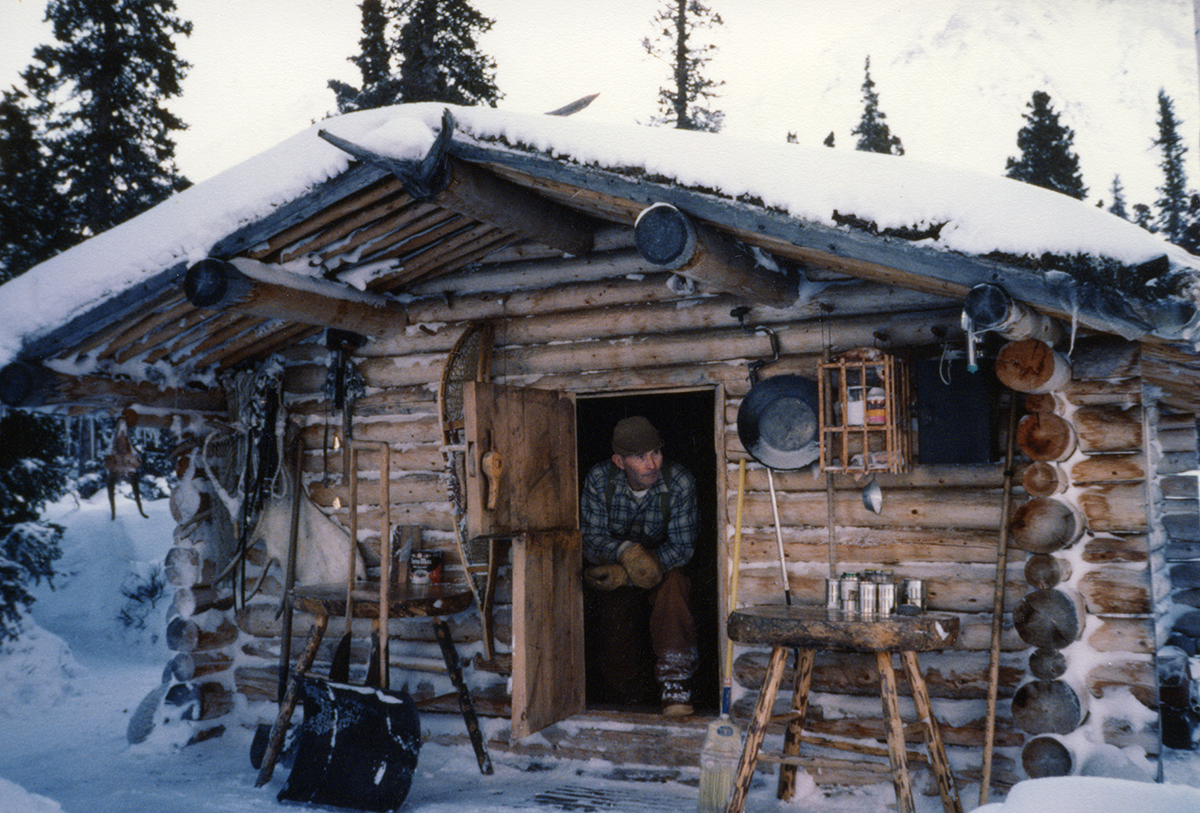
(644,569)
(606,577)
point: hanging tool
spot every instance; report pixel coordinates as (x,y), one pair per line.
(998,603)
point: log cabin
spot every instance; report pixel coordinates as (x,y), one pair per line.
(349,333)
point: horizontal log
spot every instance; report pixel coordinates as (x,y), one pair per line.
(1045,756)
(1043,571)
(1178,486)
(186,666)
(979,477)
(1123,392)
(855,674)
(185,567)
(418,429)
(1132,672)
(1048,707)
(1108,428)
(419,458)
(1044,436)
(1176,440)
(1050,618)
(1109,468)
(1132,635)
(1116,591)
(1044,525)
(708,346)
(967,591)
(29,385)
(1114,508)
(186,635)
(1108,549)
(667,237)
(902,508)
(1105,357)
(1044,479)
(1046,663)
(194,599)
(1030,365)
(247,286)
(860,548)
(404,488)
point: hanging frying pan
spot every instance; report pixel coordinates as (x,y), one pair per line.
(777,422)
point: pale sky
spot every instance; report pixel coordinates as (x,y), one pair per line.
(953,76)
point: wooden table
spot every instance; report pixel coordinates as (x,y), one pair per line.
(405,600)
(809,629)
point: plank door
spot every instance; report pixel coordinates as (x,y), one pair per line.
(535,501)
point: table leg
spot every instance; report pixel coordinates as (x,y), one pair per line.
(757,730)
(895,733)
(288,704)
(450,656)
(933,736)
(795,724)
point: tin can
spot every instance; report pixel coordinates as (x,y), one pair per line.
(833,593)
(914,593)
(868,598)
(887,598)
(848,588)
(850,606)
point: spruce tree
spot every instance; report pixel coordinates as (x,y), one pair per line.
(1118,202)
(1172,203)
(440,60)
(682,104)
(379,87)
(1047,158)
(33,226)
(31,474)
(100,94)
(873,133)
(1143,217)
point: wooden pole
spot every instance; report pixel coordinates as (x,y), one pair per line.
(998,604)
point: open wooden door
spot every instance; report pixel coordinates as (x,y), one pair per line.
(529,436)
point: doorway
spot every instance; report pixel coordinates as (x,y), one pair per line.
(686,421)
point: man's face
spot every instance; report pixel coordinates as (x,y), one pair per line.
(642,470)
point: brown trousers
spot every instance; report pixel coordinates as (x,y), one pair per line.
(624,617)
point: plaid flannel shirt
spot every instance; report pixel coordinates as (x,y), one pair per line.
(639,521)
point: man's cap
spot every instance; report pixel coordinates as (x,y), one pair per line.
(634,436)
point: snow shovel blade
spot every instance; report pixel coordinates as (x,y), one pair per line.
(357,747)
(339,667)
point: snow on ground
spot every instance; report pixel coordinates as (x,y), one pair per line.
(70,684)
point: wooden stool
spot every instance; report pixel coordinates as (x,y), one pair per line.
(808,629)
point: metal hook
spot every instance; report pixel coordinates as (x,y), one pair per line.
(756,366)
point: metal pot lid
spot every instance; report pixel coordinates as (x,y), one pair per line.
(777,422)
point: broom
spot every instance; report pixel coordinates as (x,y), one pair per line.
(723,742)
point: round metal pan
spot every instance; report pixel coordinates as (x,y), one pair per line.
(777,422)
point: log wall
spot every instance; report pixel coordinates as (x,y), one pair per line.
(1089,618)
(939,523)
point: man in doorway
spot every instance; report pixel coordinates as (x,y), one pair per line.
(639,519)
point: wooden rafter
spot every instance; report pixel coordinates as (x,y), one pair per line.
(32,386)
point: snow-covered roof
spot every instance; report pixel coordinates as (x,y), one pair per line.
(961,213)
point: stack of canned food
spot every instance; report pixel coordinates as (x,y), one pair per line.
(874,592)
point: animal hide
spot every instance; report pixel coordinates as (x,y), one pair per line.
(322,546)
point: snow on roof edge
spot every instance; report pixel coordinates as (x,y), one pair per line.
(982,214)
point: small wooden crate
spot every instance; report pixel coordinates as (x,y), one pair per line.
(864,420)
